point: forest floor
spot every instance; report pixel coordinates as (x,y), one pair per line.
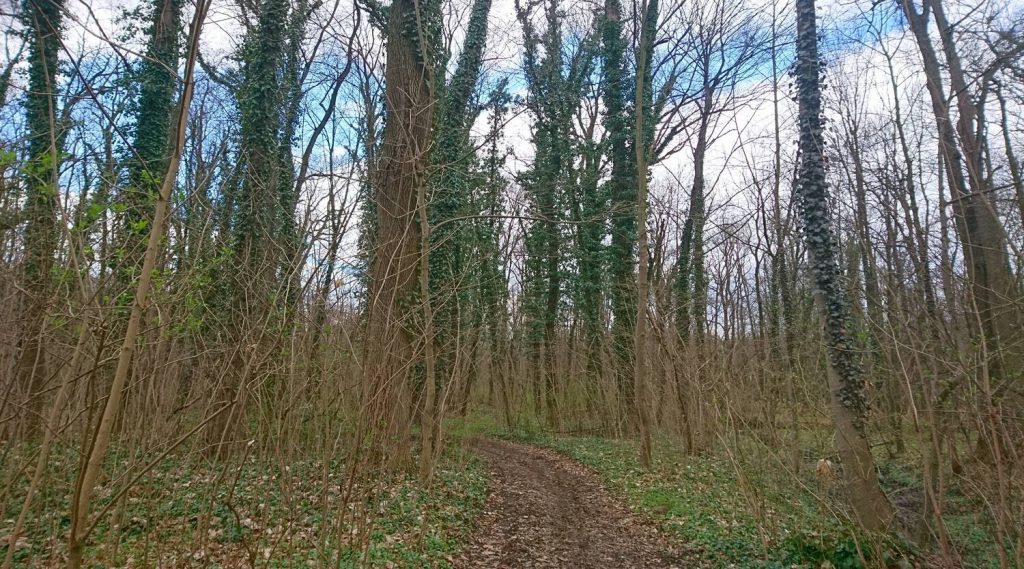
(500,499)
(547,510)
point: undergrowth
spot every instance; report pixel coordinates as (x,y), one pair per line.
(261,514)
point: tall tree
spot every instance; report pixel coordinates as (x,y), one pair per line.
(619,88)
(400,176)
(258,206)
(725,48)
(95,450)
(849,403)
(642,140)
(42,19)
(590,205)
(263,181)
(157,76)
(292,75)
(489,309)
(993,287)
(554,95)
(453,159)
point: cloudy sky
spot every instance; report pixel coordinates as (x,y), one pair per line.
(858,42)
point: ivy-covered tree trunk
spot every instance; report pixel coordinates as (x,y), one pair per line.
(554,97)
(846,382)
(291,95)
(258,207)
(157,76)
(691,279)
(642,141)
(42,19)
(622,190)
(489,309)
(683,282)
(256,229)
(446,275)
(591,230)
(453,160)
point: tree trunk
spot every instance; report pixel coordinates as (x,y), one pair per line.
(158,77)
(399,176)
(641,144)
(979,228)
(43,22)
(849,404)
(622,191)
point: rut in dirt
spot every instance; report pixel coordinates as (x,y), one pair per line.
(545,510)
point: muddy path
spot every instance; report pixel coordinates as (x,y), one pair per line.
(546,510)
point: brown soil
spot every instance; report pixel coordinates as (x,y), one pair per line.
(546,510)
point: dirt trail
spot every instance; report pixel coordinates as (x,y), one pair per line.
(546,510)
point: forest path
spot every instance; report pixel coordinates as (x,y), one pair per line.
(547,510)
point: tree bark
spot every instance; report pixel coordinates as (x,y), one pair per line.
(399,176)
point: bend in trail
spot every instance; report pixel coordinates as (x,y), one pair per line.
(545,510)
